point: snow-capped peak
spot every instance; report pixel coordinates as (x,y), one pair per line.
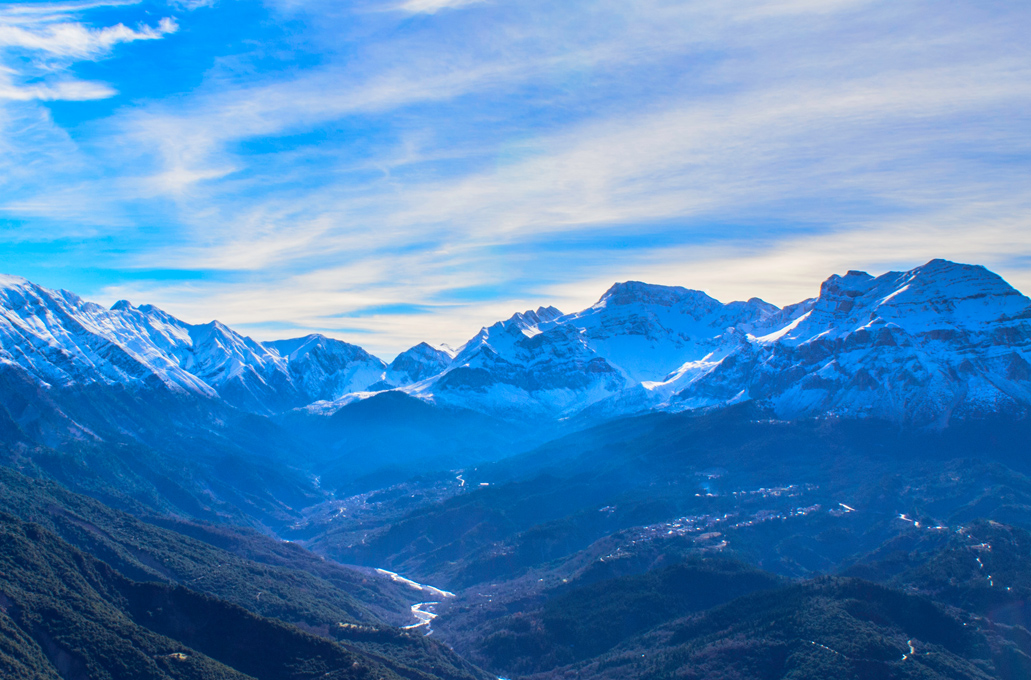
(638,293)
(938,296)
(420,362)
(8,281)
(530,318)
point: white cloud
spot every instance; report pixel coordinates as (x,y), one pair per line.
(74,40)
(699,159)
(434,6)
(70,90)
(55,40)
(49,11)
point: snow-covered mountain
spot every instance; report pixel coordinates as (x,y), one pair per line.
(940,340)
(925,345)
(61,340)
(921,346)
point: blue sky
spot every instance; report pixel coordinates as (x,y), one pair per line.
(403,170)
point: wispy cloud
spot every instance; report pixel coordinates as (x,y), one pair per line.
(434,6)
(72,40)
(40,41)
(691,160)
(74,90)
(50,10)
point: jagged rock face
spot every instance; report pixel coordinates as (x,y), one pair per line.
(940,341)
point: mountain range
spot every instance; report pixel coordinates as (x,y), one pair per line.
(940,341)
